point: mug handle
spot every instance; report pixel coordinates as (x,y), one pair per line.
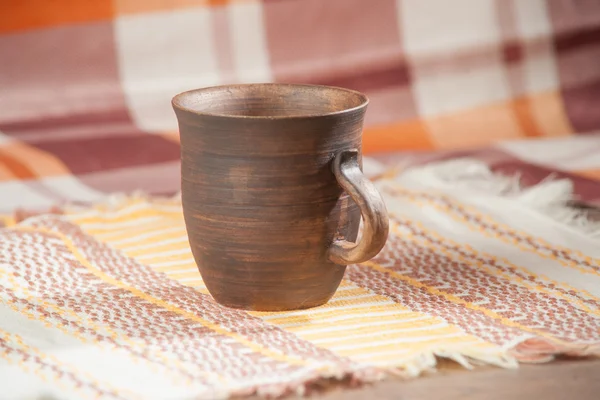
(374,213)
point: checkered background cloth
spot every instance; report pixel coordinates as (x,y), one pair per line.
(85,86)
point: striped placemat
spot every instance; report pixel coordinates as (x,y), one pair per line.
(107,302)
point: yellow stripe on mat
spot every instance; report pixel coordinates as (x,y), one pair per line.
(369,325)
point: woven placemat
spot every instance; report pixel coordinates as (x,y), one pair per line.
(106,302)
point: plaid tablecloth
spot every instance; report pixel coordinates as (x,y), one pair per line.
(85,86)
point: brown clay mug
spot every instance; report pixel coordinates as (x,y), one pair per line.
(273,191)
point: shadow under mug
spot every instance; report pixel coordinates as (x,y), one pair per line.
(273,191)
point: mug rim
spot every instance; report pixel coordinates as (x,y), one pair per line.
(177,102)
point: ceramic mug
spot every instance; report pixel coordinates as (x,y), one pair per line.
(273,191)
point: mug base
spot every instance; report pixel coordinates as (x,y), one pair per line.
(272,305)
(297,294)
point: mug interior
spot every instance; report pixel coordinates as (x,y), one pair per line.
(270,100)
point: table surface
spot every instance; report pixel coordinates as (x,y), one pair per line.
(558,380)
